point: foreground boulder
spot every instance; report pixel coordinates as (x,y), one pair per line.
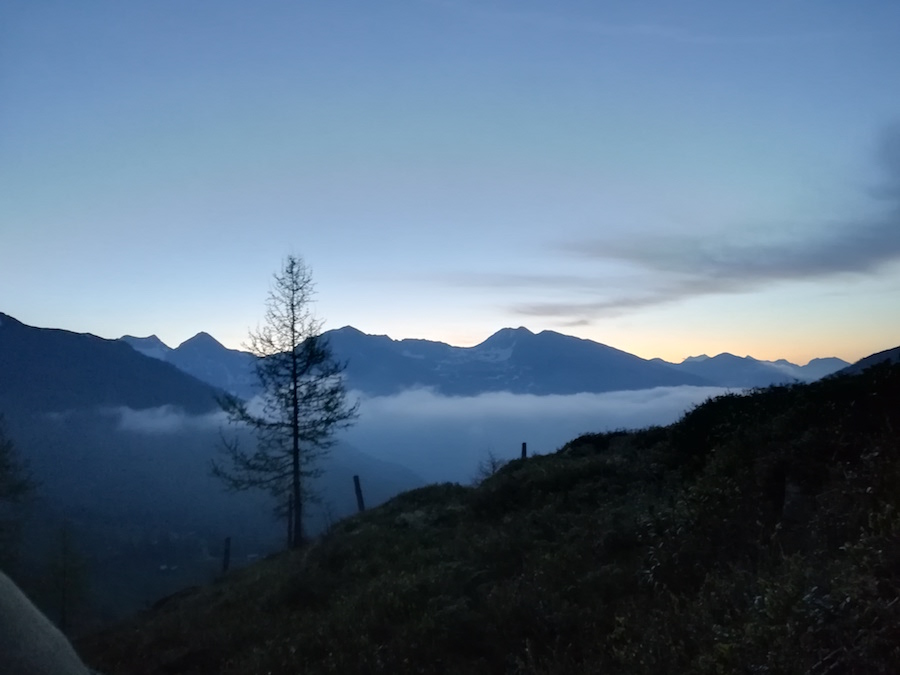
(29,643)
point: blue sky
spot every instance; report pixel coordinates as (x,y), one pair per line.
(666,178)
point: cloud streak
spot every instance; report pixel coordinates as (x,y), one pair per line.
(167,419)
(661,269)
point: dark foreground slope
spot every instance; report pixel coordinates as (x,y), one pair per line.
(758,534)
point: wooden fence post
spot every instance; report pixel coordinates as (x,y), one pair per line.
(360,504)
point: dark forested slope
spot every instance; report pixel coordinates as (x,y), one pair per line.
(48,370)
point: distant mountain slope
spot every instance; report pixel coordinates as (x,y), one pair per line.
(205,358)
(890,355)
(819,368)
(149,346)
(728,370)
(47,370)
(513,359)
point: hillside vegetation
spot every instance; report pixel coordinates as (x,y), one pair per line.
(760,533)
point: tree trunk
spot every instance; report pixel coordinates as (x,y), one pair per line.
(290,520)
(297,496)
(295,433)
(298,502)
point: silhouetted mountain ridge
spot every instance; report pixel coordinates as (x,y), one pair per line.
(49,369)
(729,370)
(512,359)
(52,370)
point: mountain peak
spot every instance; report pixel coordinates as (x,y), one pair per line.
(510,333)
(505,338)
(201,340)
(346,330)
(149,341)
(828,360)
(728,356)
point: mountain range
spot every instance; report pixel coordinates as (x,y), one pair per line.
(512,359)
(44,369)
(204,358)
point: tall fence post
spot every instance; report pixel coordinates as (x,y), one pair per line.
(226,556)
(360,504)
(524,451)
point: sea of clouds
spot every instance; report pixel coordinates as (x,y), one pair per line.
(445,438)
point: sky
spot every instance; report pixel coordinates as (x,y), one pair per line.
(666,178)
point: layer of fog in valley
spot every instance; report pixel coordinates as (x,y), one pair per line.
(135,489)
(445,438)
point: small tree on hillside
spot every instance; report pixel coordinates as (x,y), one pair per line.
(16,488)
(303,401)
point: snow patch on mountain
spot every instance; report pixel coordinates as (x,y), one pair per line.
(496,355)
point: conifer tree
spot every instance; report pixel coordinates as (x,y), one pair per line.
(302,403)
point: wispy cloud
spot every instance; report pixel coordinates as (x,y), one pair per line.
(164,420)
(664,268)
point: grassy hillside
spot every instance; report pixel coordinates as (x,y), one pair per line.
(760,533)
